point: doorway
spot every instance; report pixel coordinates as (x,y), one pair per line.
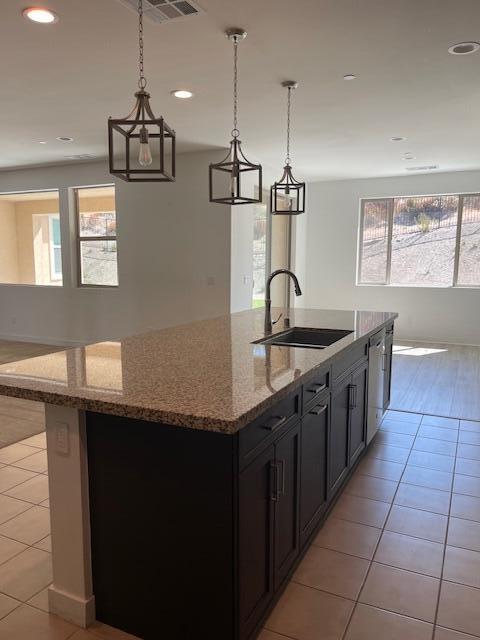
(272,249)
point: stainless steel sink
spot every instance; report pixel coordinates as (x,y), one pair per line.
(309,338)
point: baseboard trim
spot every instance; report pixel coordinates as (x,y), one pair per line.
(437,342)
(71,608)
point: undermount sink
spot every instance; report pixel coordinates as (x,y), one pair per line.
(309,338)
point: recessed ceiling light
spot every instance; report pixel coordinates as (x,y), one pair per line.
(41,141)
(349,76)
(464,48)
(184,94)
(64,139)
(40,14)
(397,139)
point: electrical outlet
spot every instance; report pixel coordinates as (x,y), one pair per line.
(62,438)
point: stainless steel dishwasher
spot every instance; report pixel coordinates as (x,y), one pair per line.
(376,378)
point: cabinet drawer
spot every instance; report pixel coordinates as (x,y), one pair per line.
(267,427)
(355,354)
(315,387)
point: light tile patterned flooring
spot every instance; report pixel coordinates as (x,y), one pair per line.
(399,556)
(397,559)
(25,550)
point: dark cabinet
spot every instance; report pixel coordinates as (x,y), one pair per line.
(255,552)
(348,425)
(313,474)
(387,367)
(254,499)
(268,524)
(358,403)
(338,457)
(286,508)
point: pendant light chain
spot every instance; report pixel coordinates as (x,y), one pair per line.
(142,82)
(235,131)
(289,108)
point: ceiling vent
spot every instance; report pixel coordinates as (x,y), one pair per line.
(427,167)
(165,10)
(81,156)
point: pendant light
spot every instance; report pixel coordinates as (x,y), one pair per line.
(226,184)
(140,144)
(287,196)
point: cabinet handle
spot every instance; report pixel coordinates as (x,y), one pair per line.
(274,491)
(281,491)
(320,408)
(352,400)
(317,388)
(275,423)
(384,361)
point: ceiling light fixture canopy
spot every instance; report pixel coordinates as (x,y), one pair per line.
(143,141)
(287,196)
(226,184)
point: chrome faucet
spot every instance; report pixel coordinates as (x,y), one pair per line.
(268,299)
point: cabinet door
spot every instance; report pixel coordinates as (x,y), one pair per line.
(338,455)
(257,485)
(387,366)
(313,480)
(287,461)
(358,414)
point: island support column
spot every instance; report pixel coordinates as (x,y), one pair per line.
(70,596)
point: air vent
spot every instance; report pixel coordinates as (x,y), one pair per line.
(165,10)
(81,156)
(427,167)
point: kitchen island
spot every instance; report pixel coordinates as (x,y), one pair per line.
(190,467)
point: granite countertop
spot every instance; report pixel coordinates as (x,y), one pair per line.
(204,375)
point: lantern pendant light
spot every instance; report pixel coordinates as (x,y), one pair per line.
(141,147)
(227,178)
(287,196)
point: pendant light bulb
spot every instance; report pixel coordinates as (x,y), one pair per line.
(145,153)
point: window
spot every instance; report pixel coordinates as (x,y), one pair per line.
(420,241)
(30,240)
(97,236)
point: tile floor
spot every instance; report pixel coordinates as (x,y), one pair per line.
(399,556)
(25,548)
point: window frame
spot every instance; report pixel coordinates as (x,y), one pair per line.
(55,191)
(80,239)
(391,206)
(55,276)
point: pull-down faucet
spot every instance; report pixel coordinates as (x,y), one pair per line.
(268,299)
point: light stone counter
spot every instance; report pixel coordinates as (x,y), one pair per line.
(204,375)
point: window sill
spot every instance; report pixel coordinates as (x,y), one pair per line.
(32,286)
(417,286)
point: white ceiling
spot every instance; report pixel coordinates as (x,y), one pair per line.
(66,79)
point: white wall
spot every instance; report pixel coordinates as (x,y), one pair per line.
(173,252)
(450,315)
(241,276)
